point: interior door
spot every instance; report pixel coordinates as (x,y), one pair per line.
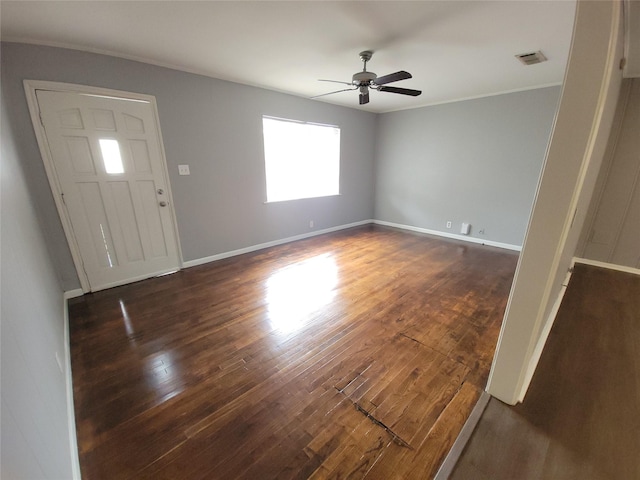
(108,160)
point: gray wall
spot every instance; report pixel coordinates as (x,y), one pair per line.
(35,435)
(612,233)
(216,128)
(475,161)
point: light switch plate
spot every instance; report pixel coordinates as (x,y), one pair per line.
(183,170)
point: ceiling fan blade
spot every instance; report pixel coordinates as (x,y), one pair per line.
(337,91)
(402,91)
(392,77)
(335,81)
(364,99)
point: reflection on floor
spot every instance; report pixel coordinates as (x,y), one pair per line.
(355,354)
(581,417)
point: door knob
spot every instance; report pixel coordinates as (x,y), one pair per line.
(160,191)
(163,204)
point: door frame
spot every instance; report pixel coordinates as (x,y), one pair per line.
(30,87)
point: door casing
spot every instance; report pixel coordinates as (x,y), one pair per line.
(31,86)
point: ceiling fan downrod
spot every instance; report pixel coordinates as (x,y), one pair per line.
(365,57)
(364,77)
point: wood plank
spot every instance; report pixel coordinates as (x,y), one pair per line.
(220,371)
(435,440)
(581,416)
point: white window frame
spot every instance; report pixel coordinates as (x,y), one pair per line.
(302,156)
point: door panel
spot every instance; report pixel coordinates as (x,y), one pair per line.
(133,124)
(152,218)
(126,218)
(94,220)
(108,161)
(103,120)
(80,158)
(140,156)
(70,118)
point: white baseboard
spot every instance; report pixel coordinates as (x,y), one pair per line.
(464,238)
(450,461)
(71,415)
(201,261)
(544,335)
(261,246)
(611,266)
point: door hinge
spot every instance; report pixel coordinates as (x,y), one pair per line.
(62,195)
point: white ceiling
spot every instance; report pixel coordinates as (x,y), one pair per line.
(454,49)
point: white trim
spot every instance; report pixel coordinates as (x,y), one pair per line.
(260,246)
(206,73)
(451,460)
(610,266)
(544,335)
(464,238)
(34,111)
(30,87)
(71,416)
(270,202)
(76,292)
(509,391)
(587,161)
(479,97)
(86,89)
(232,253)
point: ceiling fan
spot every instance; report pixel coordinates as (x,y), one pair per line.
(364,80)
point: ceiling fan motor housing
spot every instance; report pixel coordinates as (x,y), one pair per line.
(364,77)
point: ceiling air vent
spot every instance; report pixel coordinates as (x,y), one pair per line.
(531,58)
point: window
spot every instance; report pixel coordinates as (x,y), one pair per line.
(111,156)
(302,160)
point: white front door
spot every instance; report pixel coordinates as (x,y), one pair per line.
(108,160)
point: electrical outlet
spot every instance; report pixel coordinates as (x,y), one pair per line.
(310,223)
(448,224)
(183,170)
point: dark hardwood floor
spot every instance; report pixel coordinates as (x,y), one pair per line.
(580,419)
(357,354)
